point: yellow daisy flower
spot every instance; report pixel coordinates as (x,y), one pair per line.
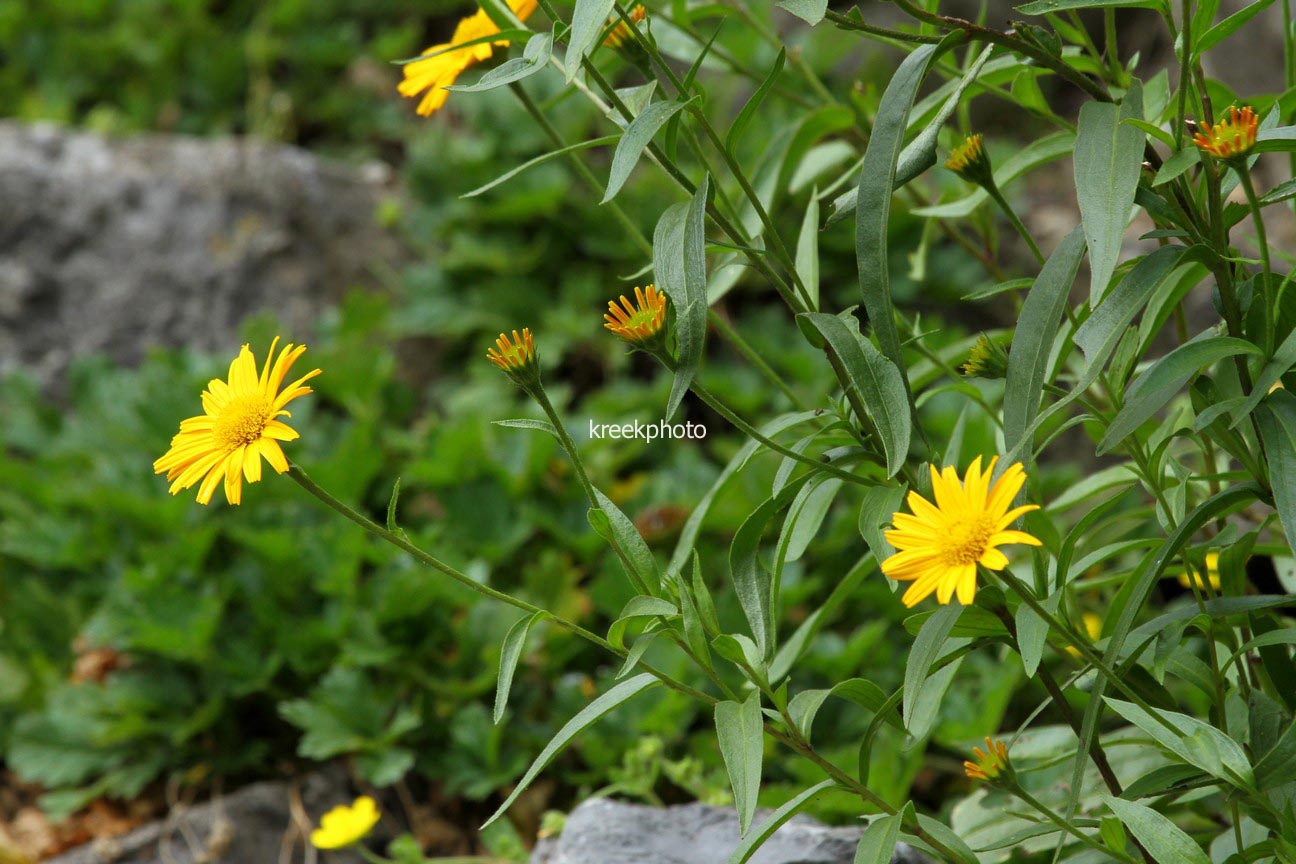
(436,73)
(344,825)
(940,545)
(239,427)
(621,32)
(515,355)
(1231,137)
(640,321)
(990,764)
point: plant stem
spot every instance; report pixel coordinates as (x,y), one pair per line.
(1074,831)
(1265,295)
(995,195)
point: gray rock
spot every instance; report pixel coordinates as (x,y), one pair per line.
(255,825)
(119,245)
(603,831)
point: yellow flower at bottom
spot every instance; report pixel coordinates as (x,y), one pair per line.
(1231,137)
(239,427)
(437,72)
(940,545)
(640,321)
(990,764)
(344,825)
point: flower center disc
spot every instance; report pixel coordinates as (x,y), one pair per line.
(967,541)
(242,421)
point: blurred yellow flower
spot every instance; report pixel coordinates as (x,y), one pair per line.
(1231,137)
(438,72)
(344,825)
(1212,574)
(1092,626)
(940,545)
(988,765)
(621,32)
(640,321)
(239,427)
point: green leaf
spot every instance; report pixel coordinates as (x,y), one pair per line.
(742,744)
(679,261)
(1108,159)
(1195,743)
(1179,162)
(1162,838)
(807,251)
(534,58)
(634,553)
(510,653)
(873,198)
(391,507)
(920,154)
(1165,378)
(641,606)
(1277,766)
(1037,328)
(748,112)
(541,159)
(752,582)
(1044,7)
(877,381)
(637,136)
(806,515)
(879,505)
(1098,335)
(805,705)
(925,652)
(1032,632)
(588,20)
(1283,360)
(590,713)
(878,842)
(809,11)
(527,423)
(1277,423)
(747,848)
(1279,140)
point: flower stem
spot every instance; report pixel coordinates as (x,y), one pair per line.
(995,195)
(1265,293)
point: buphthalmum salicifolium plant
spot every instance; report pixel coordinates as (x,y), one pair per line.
(1145,602)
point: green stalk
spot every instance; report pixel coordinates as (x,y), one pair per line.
(995,195)
(1266,294)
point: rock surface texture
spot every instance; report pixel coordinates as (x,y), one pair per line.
(119,245)
(602,831)
(255,825)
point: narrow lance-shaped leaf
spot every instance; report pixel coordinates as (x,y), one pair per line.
(1108,159)
(877,844)
(747,848)
(590,713)
(588,20)
(510,653)
(1277,420)
(748,113)
(679,260)
(534,58)
(739,729)
(1161,837)
(926,651)
(873,200)
(876,379)
(1165,378)
(637,136)
(1037,328)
